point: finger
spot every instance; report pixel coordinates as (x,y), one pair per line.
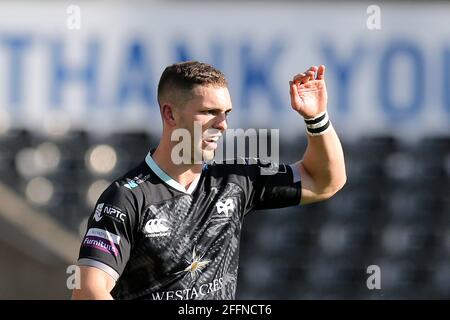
(321,72)
(300,77)
(309,75)
(295,98)
(312,70)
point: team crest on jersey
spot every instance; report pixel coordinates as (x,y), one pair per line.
(225,207)
(195,265)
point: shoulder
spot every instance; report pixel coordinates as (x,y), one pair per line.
(241,171)
(134,178)
(243,167)
(226,168)
(125,189)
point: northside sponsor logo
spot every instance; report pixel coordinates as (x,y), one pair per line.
(157,228)
(133,183)
(104,234)
(110,211)
(102,240)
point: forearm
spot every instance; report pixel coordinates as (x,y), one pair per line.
(322,169)
(323,162)
(95,284)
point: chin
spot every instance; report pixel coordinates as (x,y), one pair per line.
(208,155)
(202,155)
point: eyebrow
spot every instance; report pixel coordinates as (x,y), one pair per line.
(215,109)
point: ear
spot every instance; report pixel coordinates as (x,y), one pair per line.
(167,112)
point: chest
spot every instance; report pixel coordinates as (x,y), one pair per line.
(204,219)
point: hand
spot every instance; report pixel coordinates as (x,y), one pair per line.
(309,93)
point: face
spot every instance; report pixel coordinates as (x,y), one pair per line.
(208,109)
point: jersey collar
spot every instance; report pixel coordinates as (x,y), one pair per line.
(167,179)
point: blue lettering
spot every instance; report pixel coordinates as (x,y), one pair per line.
(16,46)
(182,53)
(62,73)
(136,77)
(385,85)
(344,71)
(446,79)
(257,73)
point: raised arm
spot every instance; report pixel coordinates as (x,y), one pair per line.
(322,168)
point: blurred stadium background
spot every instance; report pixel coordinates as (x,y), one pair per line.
(78,109)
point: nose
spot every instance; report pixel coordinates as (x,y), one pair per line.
(221,123)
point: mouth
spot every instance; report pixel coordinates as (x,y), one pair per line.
(212,139)
(210,143)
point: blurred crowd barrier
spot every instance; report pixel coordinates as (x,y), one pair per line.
(392,213)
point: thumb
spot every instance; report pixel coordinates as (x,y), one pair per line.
(295,98)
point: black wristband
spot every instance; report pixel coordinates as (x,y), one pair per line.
(318,125)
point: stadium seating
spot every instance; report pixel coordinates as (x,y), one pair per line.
(393,213)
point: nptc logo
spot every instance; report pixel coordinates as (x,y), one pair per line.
(110,211)
(98,212)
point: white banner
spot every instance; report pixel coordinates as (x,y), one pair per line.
(97,65)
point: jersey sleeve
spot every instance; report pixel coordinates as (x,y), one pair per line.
(110,232)
(271,185)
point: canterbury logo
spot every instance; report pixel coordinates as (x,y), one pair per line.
(226,207)
(156,228)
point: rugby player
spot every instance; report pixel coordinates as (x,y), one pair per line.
(170,230)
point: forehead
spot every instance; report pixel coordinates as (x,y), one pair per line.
(209,96)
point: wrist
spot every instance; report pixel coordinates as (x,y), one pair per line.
(318,125)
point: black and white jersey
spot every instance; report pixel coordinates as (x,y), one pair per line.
(160,241)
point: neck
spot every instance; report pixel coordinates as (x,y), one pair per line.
(184,174)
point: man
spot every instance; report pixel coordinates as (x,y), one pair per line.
(171,230)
